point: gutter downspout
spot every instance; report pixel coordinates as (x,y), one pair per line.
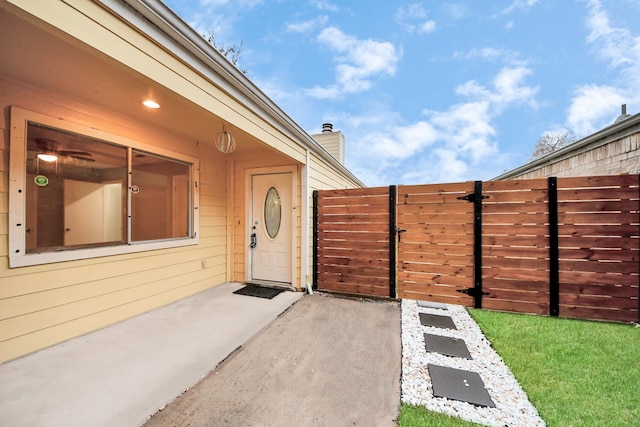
(304,238)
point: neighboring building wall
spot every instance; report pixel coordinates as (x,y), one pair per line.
(613,150)
(46,304)
(618,157)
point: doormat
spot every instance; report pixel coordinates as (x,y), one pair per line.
(458,384)
(429,304)
(258,291)
(444,322)
(448,346)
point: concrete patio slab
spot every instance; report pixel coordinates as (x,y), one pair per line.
(121,375)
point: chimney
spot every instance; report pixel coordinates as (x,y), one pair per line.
(331,141)
(623,115)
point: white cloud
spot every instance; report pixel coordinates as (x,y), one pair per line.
(306,26)
(594,106)
(427,27)
(466,128)
(459,138)
(591,105)
(616,45)
(325,5)
(490,54)
(456,10)
(413,19)
(359,61)
(507,88)
(519,4)
(401,142)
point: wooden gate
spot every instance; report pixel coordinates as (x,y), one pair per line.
(354,242)
(436,242)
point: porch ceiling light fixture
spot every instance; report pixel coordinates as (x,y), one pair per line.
(149,103)
(225,142)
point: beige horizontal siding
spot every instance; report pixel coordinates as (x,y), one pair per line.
(46,304)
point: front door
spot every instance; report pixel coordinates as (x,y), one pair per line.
(270,227)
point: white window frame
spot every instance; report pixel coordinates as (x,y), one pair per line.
(18,256)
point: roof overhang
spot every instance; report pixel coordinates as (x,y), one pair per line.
(162,24)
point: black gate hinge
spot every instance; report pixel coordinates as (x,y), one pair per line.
(471,197)
(472,292)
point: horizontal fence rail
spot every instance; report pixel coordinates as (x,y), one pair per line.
(565,247)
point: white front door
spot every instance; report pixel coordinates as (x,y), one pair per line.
(270,227)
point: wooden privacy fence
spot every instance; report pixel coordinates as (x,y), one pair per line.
(563,247)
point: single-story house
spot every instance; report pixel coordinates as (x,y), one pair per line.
(614,150)
(111,208)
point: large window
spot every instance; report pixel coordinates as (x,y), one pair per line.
(78,193)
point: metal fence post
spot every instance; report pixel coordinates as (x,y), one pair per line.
(393,265)
(554,251)
(477,242)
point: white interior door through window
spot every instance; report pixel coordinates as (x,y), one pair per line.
(270,228)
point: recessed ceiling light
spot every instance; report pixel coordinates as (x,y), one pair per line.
(150,104)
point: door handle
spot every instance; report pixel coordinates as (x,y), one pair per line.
(399,231)
(254,241)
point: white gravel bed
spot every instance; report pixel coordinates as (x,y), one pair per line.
(512,405)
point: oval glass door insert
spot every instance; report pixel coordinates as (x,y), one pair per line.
(272,212)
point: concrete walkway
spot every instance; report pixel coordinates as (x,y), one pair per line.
(326,362)
(121,375)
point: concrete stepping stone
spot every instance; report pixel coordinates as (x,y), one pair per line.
(429,304)
(458,384)
(448,346)
(444,322)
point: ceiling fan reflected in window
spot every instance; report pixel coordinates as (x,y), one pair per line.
(49,150)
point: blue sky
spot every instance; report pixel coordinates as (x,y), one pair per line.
(435,91)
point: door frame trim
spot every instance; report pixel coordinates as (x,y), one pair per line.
(249,173)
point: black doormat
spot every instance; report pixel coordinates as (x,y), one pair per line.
(258,291)
(444,322)
(448,346)
(458,384)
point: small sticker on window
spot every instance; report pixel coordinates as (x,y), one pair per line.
(41,180)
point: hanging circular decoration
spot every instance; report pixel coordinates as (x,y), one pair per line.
(225,142)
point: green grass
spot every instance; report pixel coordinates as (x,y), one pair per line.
(415,416)
(576,373)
